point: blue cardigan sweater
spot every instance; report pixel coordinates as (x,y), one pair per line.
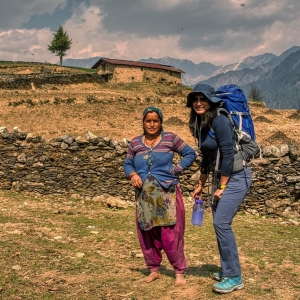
(157,161)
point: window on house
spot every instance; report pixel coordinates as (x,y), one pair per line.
(142,69)
(103,67)
(132,78)
(171,73)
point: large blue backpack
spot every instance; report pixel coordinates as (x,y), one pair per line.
(235,102)
(235,108)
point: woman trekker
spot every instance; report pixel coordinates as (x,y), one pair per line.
(215,133)
(160,210)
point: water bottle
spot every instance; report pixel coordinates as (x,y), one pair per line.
(198,211)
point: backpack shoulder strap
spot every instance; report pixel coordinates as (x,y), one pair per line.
(239,114)
(227,114)
(223,111)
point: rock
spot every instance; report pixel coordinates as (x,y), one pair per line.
(113,143)
(68,139)
(293,151)
(283,149)
(91,137)
(21,158)
(196,176)
(64,146)
(17,130)
(124,143)
(3,130)
(271,151)
(111,201)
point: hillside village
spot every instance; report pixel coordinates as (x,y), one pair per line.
(67,213)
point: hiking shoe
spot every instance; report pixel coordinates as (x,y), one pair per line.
(216,276)
(229,284)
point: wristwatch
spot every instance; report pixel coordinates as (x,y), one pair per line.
(222,186)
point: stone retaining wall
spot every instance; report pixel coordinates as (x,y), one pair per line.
(29,81)
(92,166)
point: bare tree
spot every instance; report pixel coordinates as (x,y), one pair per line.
(255,94)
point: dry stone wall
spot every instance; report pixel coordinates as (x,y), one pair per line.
(92,166)
(29,81)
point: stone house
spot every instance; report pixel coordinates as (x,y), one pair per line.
(125,71)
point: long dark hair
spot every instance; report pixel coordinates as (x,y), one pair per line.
(196,121)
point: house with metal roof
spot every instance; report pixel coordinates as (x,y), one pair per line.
(126,71)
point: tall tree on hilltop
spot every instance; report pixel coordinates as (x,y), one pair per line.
(60,44)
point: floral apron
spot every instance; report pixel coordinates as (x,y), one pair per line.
(156,206)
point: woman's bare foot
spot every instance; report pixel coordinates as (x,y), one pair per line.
(179,280)
(153,276)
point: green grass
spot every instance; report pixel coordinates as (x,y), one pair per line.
(256,103)
(17,64)
(82,69)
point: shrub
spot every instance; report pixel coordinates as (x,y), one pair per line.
(92,99)
(30,103)
(70,100)
(57,101)
(44,101)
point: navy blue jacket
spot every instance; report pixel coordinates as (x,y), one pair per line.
(222,136)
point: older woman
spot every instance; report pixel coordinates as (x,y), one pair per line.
(159,205)
(215,133)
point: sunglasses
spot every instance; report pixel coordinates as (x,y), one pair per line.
(200,99)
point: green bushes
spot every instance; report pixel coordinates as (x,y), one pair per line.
(32,103)
(69,100)
(27,102)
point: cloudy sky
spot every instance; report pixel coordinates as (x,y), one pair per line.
(215,31)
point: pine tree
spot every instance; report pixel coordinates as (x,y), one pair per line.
(60,43)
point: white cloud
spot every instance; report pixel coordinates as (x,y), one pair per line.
(91,39)
(279,37)
(166,5)
(212,31)
(25,45)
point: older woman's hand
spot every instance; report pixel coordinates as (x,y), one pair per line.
(136,181)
